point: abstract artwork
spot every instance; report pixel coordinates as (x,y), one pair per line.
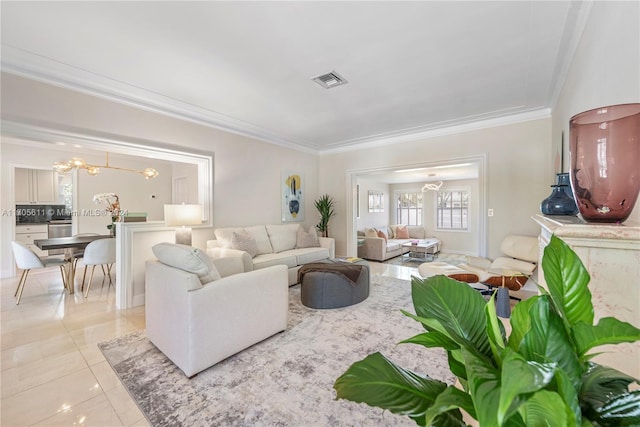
(292,197)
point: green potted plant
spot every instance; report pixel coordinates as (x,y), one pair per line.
(326,208)
(541,374)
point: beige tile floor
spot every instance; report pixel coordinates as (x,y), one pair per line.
(53,374)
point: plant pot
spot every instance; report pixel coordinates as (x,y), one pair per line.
(605,148)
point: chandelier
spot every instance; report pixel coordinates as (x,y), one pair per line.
(93,170)
(432,187)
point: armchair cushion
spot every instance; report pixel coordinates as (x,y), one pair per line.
(187,258)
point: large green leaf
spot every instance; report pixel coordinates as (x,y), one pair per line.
(484,386)
(547,340)
(622,410)
(456,306)
(600,384)
(567,280)
(520,376)
(520,322)
(495,331)
(432,339)
(567,390)
(377,381)
(449,401)
(546,408)
(609,330)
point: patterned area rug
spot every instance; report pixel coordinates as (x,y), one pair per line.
(286,380)
(453,259)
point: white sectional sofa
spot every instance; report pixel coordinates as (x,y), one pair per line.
(378,249)
(278,244)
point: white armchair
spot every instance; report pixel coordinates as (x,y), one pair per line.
(197,325)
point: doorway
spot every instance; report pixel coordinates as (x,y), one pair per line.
(427,172)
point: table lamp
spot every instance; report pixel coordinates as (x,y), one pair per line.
(182,216)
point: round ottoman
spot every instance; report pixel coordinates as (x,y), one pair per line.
(328,289)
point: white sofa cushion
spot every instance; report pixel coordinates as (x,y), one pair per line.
(258,232)
(189,259)
(307,255)
(307,239)
(244,242)
(283,236)
(267,260)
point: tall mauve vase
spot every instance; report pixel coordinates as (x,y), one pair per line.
(605,161)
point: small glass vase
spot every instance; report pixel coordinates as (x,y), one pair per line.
(559,202)
(604,149)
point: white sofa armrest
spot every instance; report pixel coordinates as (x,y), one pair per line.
(218,252)
(375,248)
(329,243)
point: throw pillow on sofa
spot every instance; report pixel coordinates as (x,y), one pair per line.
(402,232)
(370,232)
(187,258)
(244,242)
(258,232)
(307,239)
(382,235)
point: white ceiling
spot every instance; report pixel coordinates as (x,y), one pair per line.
(412,67)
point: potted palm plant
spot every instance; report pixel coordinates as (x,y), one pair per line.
(541,374)
(326,208)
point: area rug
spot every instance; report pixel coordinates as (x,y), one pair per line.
(453,259)
(286,380)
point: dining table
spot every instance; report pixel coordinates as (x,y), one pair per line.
(70,246)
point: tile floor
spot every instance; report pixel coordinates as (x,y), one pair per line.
(53,374)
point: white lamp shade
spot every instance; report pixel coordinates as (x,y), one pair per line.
(178,215)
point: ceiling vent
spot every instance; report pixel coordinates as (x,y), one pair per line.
(330,80)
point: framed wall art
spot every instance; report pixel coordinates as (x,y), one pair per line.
(292,196)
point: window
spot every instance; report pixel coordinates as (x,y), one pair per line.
(409,208)
(376,201)
(452,210)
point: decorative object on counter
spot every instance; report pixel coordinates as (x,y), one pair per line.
(326,208)
(181,216)
(561,201)
(604,150)
(113,208)
(93,170)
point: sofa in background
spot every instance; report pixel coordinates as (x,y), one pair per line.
(383,243)
(262,246)
(200,311)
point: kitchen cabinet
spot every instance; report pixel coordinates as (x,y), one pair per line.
(36,186)
(28,233)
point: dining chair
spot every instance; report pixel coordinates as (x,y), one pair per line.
(100,252)
(77,255)
(27,260)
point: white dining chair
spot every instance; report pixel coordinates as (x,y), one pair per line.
(27,260)
(99,252)
(77,255)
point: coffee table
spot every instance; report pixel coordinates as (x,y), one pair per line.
(421,250)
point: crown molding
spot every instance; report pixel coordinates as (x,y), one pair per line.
(436,130)
(36,67)
(39,68)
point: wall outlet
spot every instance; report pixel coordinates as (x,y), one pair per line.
(490,212)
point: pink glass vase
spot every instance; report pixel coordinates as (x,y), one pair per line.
(605,162)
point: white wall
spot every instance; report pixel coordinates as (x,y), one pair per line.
(246,187)
(605,69)
(519,167)
(371,219)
